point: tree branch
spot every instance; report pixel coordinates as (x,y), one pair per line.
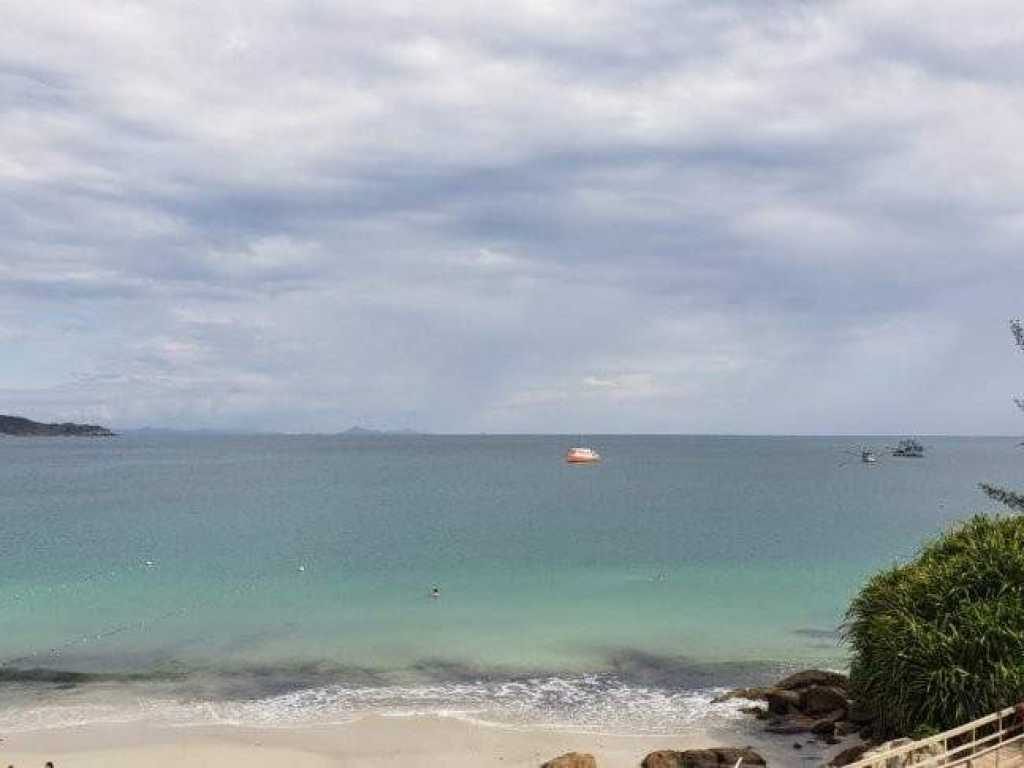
(1014,501)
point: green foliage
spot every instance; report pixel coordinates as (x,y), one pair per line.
(940,641)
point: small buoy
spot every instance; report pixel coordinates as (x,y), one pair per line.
(302,568)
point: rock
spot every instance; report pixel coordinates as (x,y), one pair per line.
(850,755)
(843,728)
(754,694)
(782,702)
(812,700)
(797,745)
(703,758)
(572,760)
(819,699)
(663,758)
(831,740)
(919,755)
(826,725)
(811,677)
(859,714)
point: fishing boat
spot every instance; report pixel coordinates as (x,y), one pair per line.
(582,456)
(908,448)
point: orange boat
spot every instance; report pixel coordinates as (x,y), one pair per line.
(582,456)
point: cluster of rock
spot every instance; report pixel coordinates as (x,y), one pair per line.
(810,702)
(813,701)
(718,757)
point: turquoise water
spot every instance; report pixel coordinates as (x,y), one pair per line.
(277,577)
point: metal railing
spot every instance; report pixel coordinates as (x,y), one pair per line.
(993,740)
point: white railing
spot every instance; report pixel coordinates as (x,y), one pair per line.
(993,740)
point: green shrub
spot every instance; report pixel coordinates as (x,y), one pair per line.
(940,641)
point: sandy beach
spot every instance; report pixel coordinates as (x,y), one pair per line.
(371,742)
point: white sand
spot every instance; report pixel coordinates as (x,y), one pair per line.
(372,742)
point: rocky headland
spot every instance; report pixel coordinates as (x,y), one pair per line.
(19,426)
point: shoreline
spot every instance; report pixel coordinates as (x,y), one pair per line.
(371,741)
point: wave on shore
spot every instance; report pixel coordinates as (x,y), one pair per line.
(638,694)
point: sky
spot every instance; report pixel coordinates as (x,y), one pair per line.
(574,216)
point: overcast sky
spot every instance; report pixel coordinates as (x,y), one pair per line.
(563,216)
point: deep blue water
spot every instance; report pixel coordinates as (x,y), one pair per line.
(276,577)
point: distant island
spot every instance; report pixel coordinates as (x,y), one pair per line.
(358,431)
(22,427)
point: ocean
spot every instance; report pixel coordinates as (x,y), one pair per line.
(286,579)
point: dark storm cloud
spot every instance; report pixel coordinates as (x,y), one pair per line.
(653,216)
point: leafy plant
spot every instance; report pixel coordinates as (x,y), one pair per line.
(940,641)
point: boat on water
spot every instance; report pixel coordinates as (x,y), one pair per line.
(908,448)
(582,456)
(868,457)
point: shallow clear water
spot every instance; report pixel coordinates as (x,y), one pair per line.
(281,578)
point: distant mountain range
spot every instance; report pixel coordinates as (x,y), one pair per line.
(357,431)
(22,427)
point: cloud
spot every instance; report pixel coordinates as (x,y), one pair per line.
(654,216)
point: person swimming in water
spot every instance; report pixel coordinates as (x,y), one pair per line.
(435,593)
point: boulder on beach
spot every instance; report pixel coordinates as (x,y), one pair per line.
(811,677)
(847,756)
(826,725)
(717,757)
(813,701)
(820,699)
(922,754)
(572,760)
(795,682)
(782,702)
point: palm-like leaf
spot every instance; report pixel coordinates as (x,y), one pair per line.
(940,641)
